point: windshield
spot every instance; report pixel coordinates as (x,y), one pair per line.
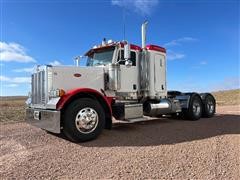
(101,57)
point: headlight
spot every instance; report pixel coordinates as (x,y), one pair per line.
(56,93)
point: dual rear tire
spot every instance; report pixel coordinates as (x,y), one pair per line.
(200,107)
(209,105)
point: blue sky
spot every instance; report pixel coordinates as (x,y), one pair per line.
(201,37)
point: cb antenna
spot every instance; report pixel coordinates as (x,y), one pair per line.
(124,24)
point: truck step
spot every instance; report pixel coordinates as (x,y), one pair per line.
(140,119)
(123,111)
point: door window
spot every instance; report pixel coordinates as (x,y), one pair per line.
(133,57)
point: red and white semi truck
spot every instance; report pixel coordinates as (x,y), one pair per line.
(120,80)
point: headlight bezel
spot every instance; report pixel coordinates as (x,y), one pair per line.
(56,93)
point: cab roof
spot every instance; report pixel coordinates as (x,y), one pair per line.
(132,47)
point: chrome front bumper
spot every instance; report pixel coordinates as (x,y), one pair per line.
(44,119)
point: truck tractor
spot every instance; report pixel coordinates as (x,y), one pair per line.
(120,80)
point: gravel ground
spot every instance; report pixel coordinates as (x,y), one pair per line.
(157,149)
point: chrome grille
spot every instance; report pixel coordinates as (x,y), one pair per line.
(39,87)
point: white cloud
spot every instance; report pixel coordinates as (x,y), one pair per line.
(171,55)
(203,63)
(21,80)
(29,70)
(179,41)
(11,85)
(18,80)
(143,7)
(4,78)
(14,52)
(55,63)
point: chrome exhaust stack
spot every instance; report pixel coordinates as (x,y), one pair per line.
(144,29)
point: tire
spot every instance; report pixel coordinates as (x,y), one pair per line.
(83,120)
(209,106)
(195,108)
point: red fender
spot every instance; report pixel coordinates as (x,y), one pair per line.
(64,99)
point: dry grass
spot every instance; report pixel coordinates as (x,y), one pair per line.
(230,97)
(12,109)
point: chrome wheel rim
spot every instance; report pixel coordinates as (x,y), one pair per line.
(86,120)
(210,106)
(196,108)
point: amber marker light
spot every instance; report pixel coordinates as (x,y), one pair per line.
(61,92)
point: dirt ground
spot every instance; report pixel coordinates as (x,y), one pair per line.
(157,149)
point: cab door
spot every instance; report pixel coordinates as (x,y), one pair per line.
(129,75)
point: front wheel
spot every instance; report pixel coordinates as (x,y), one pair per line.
(83,120)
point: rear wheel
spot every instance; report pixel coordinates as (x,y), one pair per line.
(209,106)
(194,111)
(83,120)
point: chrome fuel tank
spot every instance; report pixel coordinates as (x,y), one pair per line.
(165,106)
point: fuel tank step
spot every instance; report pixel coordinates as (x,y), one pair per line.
(122,111)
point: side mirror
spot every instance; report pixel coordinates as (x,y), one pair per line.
(127,54)
(77,59)
(128,63)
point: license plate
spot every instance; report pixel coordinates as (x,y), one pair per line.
(36,115)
